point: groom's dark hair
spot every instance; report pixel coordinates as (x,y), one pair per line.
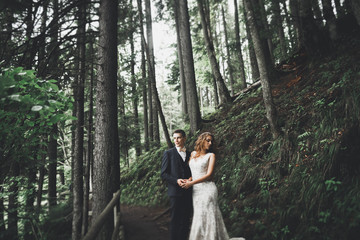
(182,132)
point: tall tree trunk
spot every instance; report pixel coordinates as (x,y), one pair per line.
(263,68)
(158,103)
(41,178)
(29,52)
(279,28)
(254,67)
(134,93)
(52,144)
(29,202)
(42,42)
(330,19)
(144,79)
(355,6)
(261,21)
(228,56)
(123,129)
(294,9)
(260,4)
(90,156)
(106,150)
(5,38)
(224,93)
(288,23)
(317,12)
(312,39)
(13,230)
(189,71)
(238,46)
(184,107)
(52,154)
(78,190)
(151,62)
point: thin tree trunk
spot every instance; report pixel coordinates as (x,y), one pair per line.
(254,67)
(279,28)
(224,93)
(330,19)
(78,190)
(29,203)
(260,5)
(312,38)
(158,103)
(106,150)
(355,6)
(52,154)
(238,46)
(288,23)
(294,9)
(264,72)
(228,56)
(90,156)
(189,71)
(151,62)
(13,230)
(184,107)
(144,79)
(134,92)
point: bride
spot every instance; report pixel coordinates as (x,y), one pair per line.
(207,223)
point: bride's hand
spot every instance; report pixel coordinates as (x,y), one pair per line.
(188,184)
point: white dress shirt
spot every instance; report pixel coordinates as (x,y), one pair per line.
(182,154)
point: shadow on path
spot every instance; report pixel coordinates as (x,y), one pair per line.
(144,223)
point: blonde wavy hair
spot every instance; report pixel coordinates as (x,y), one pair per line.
(200,146)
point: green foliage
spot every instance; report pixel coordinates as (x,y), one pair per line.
(141,183)
(29,107)
(303,185)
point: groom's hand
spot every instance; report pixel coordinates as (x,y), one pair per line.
(181,182)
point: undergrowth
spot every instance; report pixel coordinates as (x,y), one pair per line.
(303,185)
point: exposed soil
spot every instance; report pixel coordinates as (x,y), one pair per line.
(145,223)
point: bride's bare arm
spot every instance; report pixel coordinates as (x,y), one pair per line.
(208,174)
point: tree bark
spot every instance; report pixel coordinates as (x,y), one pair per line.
(254,67)
(264,72)
(238,47)
(355,6)
(279,28)
(288,23)
(106,177)
(294,10)
(90,154)
(13,230)
(78,190)
(330,19)
(312,38)
(184,106)
(144,79)
(228,56)
(151,62)
(52,154)
(267,35)
(224,93)
(188,64)
(158,103)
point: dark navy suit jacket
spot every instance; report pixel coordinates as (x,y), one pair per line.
(172,168)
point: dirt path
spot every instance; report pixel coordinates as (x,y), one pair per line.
(140,223)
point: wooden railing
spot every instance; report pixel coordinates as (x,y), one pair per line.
(101,219)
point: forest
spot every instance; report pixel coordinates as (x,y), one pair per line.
(91,91)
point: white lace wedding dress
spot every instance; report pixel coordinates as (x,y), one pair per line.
(207,223)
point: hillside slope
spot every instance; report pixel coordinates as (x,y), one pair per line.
(303,185)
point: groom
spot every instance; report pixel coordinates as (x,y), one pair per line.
(175,171)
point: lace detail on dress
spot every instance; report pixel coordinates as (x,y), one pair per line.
(207,223)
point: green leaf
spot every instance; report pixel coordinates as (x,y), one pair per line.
(36,108)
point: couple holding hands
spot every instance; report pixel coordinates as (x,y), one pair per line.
(191,190)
